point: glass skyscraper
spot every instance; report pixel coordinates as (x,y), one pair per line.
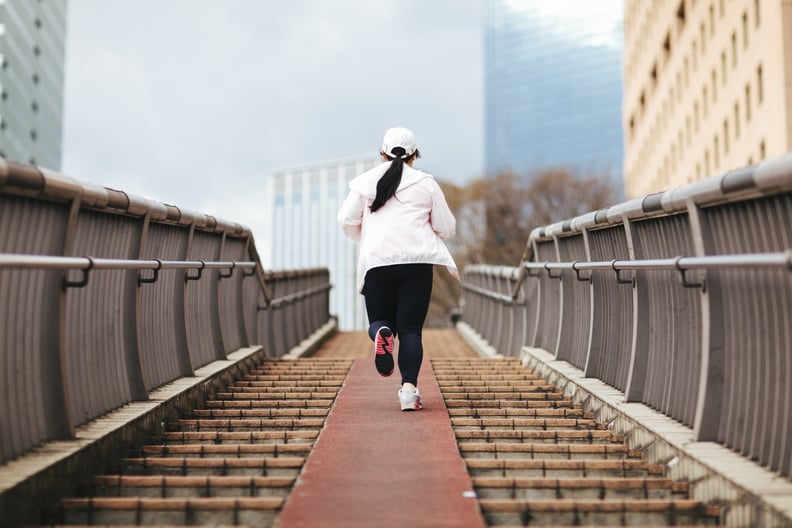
(553,86)
(32,53)
(304,233)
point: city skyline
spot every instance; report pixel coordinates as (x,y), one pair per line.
(553,87)
(32,53)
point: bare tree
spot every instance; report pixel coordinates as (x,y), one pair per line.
(496,215)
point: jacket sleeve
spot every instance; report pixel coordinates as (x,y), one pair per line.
(443,221)
(350,216)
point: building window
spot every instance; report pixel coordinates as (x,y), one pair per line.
(33,134)
(734,48)
(696,117)
(667,47)
(37,23)
(695,55)
(687,130)
(756,13)
(687,72)
(703,32)
(762,153)
(34,106)
(723,68)
(706,162)
(36,50)
(712,20)
(714,86)
(745,29)
(35,78)
(679,87)
(759,84)
(680,16)
(725,137)
(736,120)
(722,7)
(715,152)
(681,150)
(747,103)
(704,102)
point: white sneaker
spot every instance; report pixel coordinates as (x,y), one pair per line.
(410,400)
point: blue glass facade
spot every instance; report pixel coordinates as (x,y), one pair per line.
(553,86)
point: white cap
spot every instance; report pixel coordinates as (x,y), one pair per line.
(399,137)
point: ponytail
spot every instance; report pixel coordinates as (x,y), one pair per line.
(389,182)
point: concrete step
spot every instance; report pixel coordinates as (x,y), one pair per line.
(289,378)
(253,393)
(328,392)
(238,437)
(523,423)
(480,393)
(282,466)
(561,468)
(606,512)
(260,413)
(579,488)
(250,424)
(327,384)
(178,486)
(511,450)
(546,412)
(509,404)
(585,436)
(508,387)
(269,404)
(254,511)
(538,459)
(227,450)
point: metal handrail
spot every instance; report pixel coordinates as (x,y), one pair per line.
(764,260)
(500,297)
(86,264)
(680,264)
(13,260)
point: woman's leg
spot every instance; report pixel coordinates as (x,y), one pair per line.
(380,291)
(414,294)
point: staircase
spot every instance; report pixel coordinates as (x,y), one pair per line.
(537,460)
(231,463)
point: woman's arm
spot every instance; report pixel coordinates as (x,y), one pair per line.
(350,216)
(443,221)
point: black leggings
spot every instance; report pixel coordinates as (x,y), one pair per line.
(397,296)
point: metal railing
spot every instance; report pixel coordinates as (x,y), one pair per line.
(680,299)
(162,292)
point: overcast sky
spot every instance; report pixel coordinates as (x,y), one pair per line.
(196,102)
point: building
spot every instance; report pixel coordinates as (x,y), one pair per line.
(705,88)
(32,53)
(304,202)
(553,86)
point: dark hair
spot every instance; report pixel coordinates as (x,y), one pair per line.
(389,182)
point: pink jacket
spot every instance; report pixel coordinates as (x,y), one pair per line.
(409,228)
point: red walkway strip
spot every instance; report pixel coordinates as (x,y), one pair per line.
(374,465)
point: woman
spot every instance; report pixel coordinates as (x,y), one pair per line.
(400,215)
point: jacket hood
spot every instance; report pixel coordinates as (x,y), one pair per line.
(366,183)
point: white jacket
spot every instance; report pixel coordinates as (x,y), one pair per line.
(407,229)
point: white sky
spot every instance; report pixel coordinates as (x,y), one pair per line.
(196,102)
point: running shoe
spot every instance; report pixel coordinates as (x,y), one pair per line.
(410,400)
(383,351)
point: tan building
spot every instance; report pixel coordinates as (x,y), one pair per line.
(706,88)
